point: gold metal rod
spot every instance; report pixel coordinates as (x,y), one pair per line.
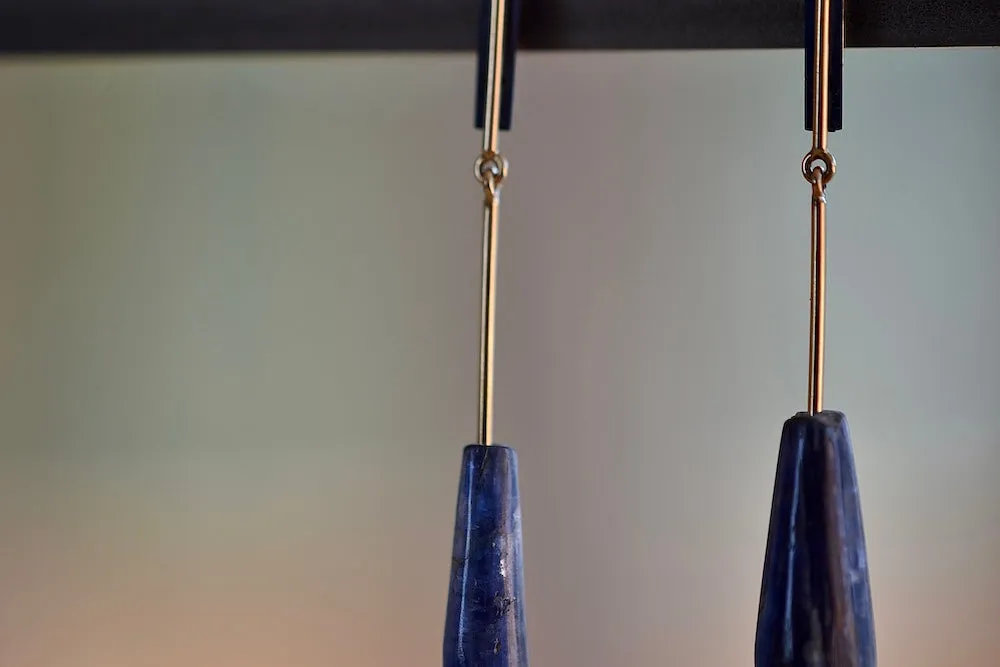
(821,78)
(494,76)
(817,300)
(490,171)
(819,177)
(488,322)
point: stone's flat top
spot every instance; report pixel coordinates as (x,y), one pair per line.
(815,603)
(485,616)
(827,419)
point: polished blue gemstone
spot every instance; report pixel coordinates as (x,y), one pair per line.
(815,601)
(485,619)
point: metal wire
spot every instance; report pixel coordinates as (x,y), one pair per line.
(490,171)
(819,167)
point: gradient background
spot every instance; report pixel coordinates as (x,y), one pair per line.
(239,337)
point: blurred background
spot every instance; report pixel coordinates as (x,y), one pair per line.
(239,310)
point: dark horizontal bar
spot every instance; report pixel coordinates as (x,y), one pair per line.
(186,26)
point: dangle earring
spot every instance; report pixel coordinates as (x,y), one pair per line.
(485,615)
(815,601)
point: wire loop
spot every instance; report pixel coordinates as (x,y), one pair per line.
(821,159)
(490,171)
(819,186)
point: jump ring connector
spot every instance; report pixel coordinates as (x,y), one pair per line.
(822,159)
(490,171)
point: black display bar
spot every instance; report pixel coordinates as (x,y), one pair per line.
(187,26)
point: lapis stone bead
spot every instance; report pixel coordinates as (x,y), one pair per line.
(485,618)
(815,601)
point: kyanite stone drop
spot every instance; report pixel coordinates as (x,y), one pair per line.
(815,600)
(485,619)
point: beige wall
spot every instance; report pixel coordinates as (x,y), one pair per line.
(238,338)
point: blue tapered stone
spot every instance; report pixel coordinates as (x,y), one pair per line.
(815,601)
(485,619)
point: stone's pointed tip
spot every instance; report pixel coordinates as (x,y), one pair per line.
(815,602)
(485,618)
